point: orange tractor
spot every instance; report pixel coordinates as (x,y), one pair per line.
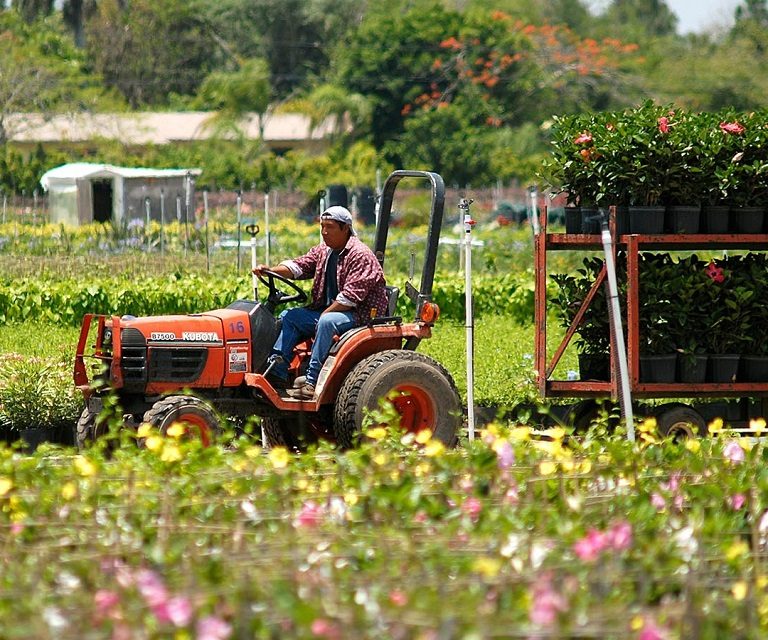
(194,368)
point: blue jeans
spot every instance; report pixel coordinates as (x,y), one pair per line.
(299,324)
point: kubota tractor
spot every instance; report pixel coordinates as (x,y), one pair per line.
(193,368)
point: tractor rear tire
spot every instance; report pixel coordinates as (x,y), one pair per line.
(198,417)
(421,390)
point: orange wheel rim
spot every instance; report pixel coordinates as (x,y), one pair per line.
(416,408)
(195,427)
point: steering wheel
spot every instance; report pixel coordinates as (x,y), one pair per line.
(276,296)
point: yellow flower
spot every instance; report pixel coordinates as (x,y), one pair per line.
(176,430)
(585,466)
(547,468)
(739,590)
(491,430)
(738,548)
(422,469)
(253,452)
(84,466)
(434,448)
(520,433)
(637,623)
(377,433)
(746,443)
(487,567)
(694,446)
(647,426)
(69,490)
(424,436)
(153,443)
(279,457)
(757,425)
(171,453)
(381,459)
(5,485)
(556,433)
(351,498)
(715,426)
(144,430)
(302,484)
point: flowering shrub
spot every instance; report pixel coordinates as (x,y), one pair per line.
(663,155)
(547,535)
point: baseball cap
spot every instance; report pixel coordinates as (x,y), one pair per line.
(340,214)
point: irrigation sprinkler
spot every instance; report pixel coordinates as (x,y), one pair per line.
(533,216)
(187,200)
(469,315)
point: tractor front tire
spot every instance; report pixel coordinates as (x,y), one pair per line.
(420,389)
(197,416)
(278,433)
(86,430)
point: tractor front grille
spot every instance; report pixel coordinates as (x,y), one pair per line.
(173,364)
(134,358)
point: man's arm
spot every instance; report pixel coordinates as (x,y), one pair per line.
(279,269)
(337,306)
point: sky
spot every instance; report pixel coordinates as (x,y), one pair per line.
(700,15)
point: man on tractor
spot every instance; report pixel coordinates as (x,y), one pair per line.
(348,288)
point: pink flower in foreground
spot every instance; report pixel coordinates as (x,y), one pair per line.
(650,632)
(151,587)
(591,545)
(619,536)
(323,628)
(734,452)
(736,501)
(398,598)
(311,515)
(105,602)
(506,455)
(664,124)
(733,128)
(472,507)
(583,138)
(177,611)
(658,502)
(715,273)
(546,603)
(212,628)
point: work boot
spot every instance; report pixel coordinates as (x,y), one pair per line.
(305,392)
(299,382)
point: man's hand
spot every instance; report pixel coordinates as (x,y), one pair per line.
(260,269)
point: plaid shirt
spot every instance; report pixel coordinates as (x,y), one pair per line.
(359,275)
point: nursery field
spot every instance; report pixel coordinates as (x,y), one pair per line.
(527,531)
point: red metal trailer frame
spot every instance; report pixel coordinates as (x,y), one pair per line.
(632,244)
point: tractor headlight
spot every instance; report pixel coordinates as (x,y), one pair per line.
(107,338)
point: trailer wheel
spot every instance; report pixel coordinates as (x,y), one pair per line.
(420,389)
(197,416)
(87,430)
(680,422)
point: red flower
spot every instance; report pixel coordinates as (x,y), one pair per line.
(715,273)
(732,127)
(584,138)
(664,124)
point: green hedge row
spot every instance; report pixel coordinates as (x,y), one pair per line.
(67,301)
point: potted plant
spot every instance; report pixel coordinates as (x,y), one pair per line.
(753,273)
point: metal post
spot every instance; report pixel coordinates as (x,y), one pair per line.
(469,313)
(266,227)
(207,241)
(253,230)
(147,209)
(178,214)
(239,220)
(162,223)
(620,352)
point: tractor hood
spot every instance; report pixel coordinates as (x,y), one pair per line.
(200,329)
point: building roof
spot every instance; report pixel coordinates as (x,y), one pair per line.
(142,128)
(70,172)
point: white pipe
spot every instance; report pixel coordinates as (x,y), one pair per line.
(625,397)
(266,228)
(469,316)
